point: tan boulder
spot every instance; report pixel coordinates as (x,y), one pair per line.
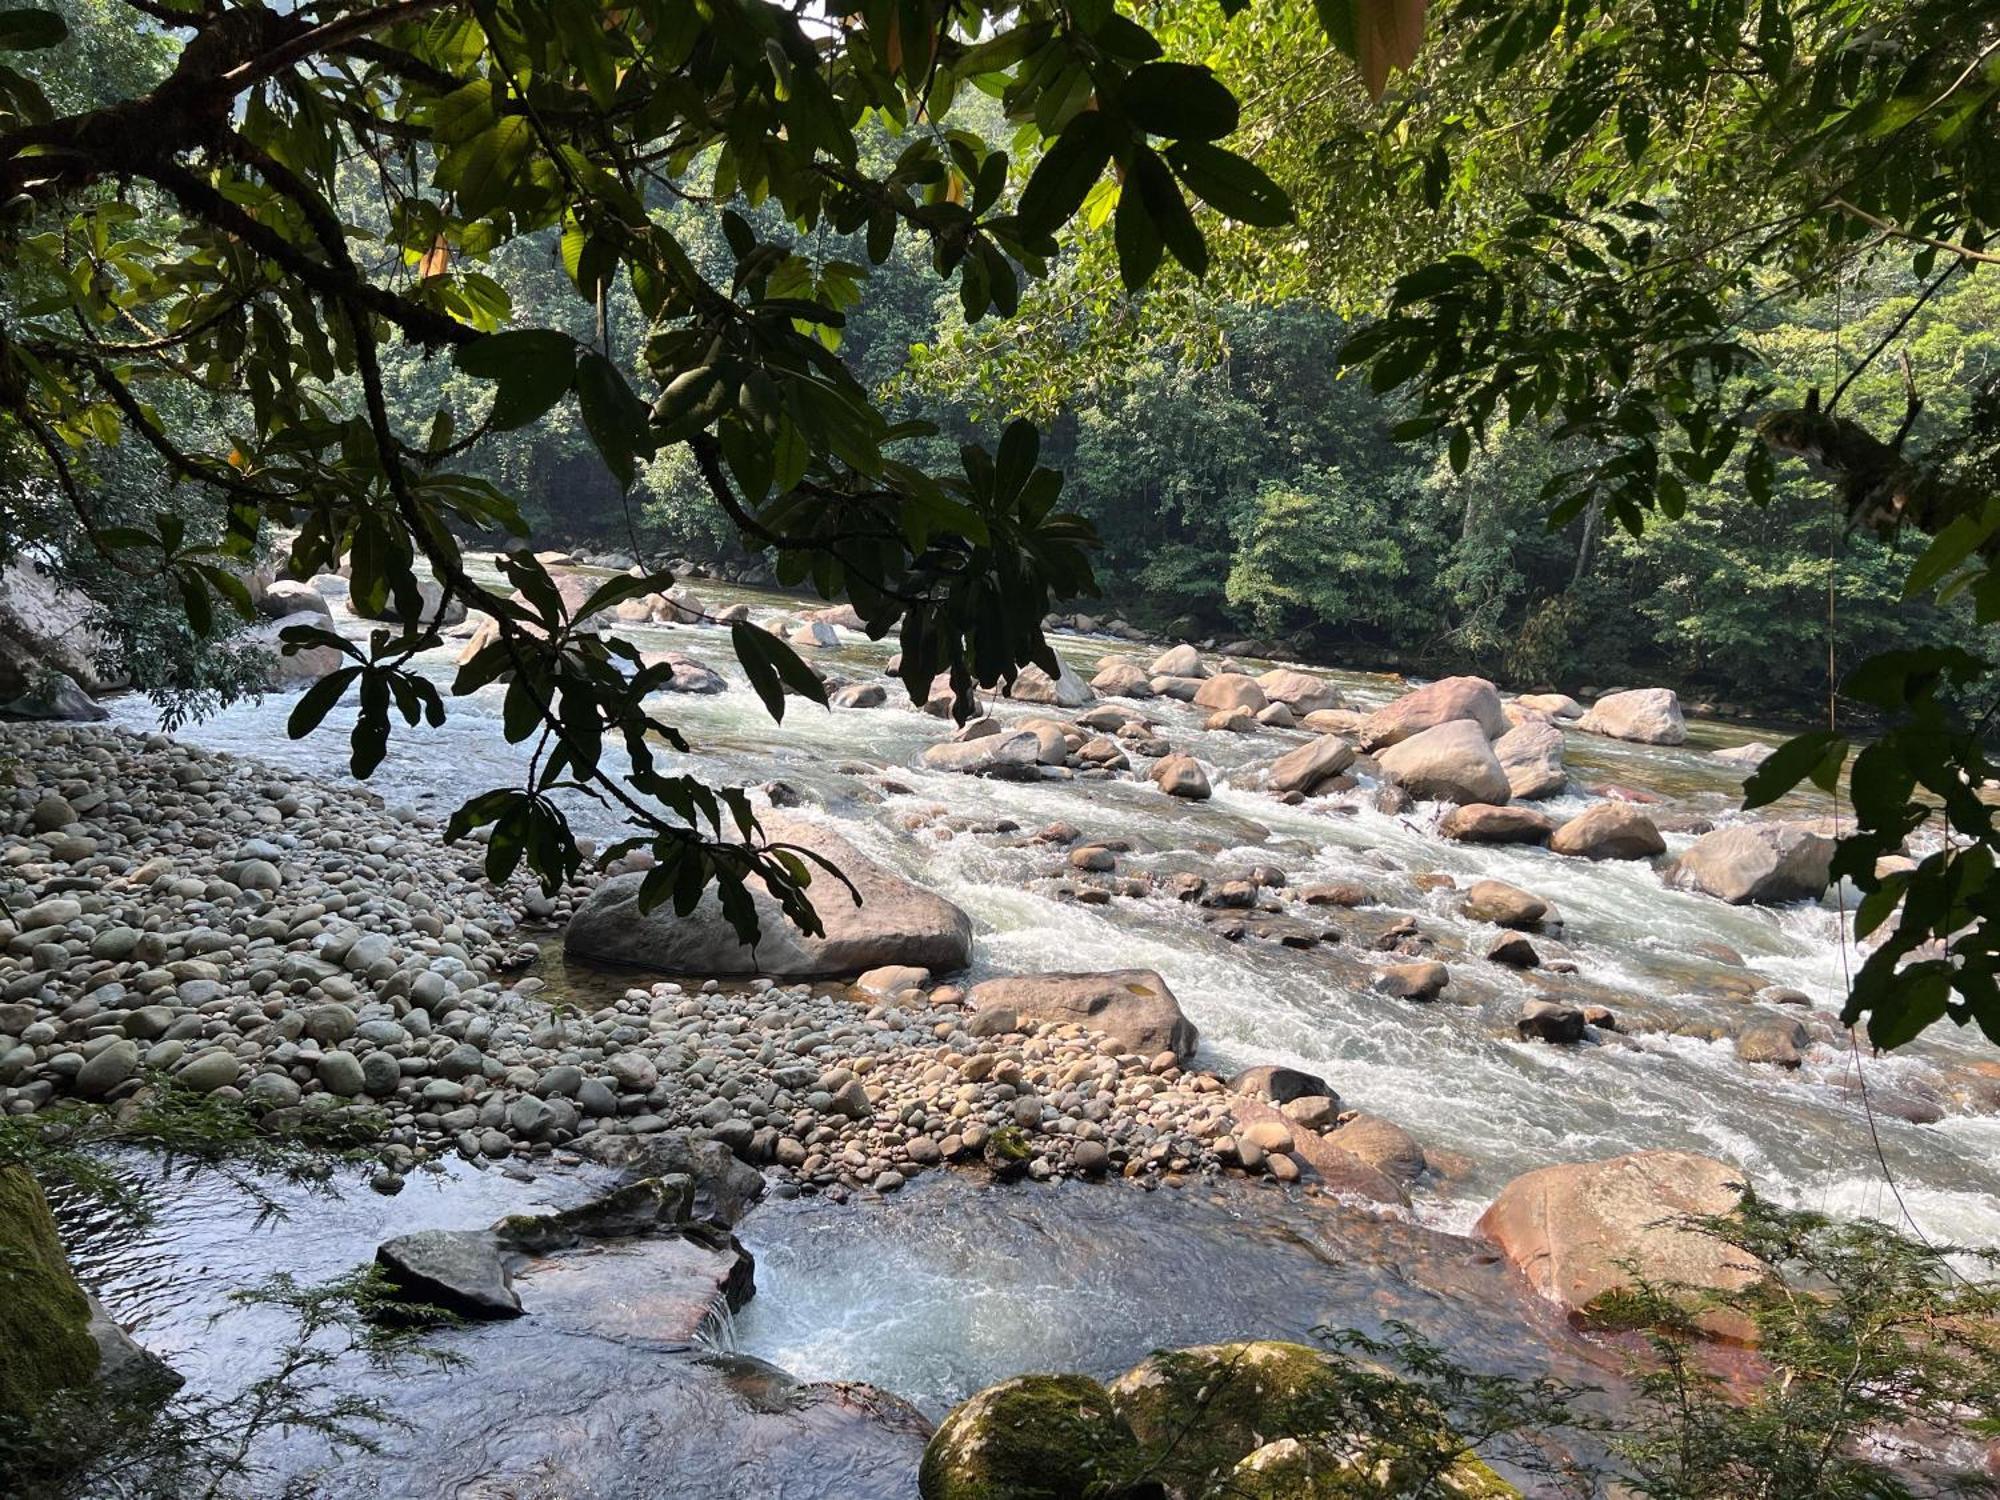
(1383,1145)
(1573,1229)
(1311,765)
(1532,757)
(1647,716)
(1555,705)
(1301,692)
(1134,1007)
(1504,905)
(1449,762)
(1440,702)
(1230,690)
(1065,690)
(1610,830)
(1181,776)
(1483,823)
(1179,661)
(1121,679)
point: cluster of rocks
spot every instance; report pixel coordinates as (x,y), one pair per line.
(188,917)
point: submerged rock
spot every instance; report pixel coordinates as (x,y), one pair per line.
(895,922)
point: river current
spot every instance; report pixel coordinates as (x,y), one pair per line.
(930,1295)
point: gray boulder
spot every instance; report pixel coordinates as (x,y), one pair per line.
(896,922)
(459,1270)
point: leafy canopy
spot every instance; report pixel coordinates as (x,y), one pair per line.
(307,185)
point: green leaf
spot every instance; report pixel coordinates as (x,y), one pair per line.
(1183,101)
(1232,186)
(1953,544)
(774,667)
(31,30)
(1065,174)
(1168,209)
(317,701)
(1818,755)
(614,417)
(484,170)
(534,367)
(1137,238)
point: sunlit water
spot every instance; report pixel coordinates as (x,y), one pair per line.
(1486,1106)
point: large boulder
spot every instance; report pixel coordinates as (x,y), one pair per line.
(433,609)
(290,596)
(1310,766)
(1121,679)
(1231,690)
(45,1339)
(292,668)
(1301,692)
(1449,762)
(896,922)
(1133,1007)
(1046,1436)
(459,1271)
(1066,690)
(1763,862)
(1205,1409)
(1014,756)
(1483,823)
(1441,702)
(1649,716)
(55,696)
(1610,830)
(1579,1230)
(45,627)
(690,674)
(1532,757)
(1179,661)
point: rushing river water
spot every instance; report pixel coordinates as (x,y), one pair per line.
(928,1298)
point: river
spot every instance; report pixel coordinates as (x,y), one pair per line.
(932,1294)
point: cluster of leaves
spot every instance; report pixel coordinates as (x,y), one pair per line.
(303,188)
(1700,162)
(1876,1357)
(1877,1347)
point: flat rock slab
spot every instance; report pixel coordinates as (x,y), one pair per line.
(672,1291)
(896,922)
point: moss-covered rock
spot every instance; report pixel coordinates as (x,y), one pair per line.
(1207,1408)
(1293,1470)
(45,1340)
(1035,1437)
